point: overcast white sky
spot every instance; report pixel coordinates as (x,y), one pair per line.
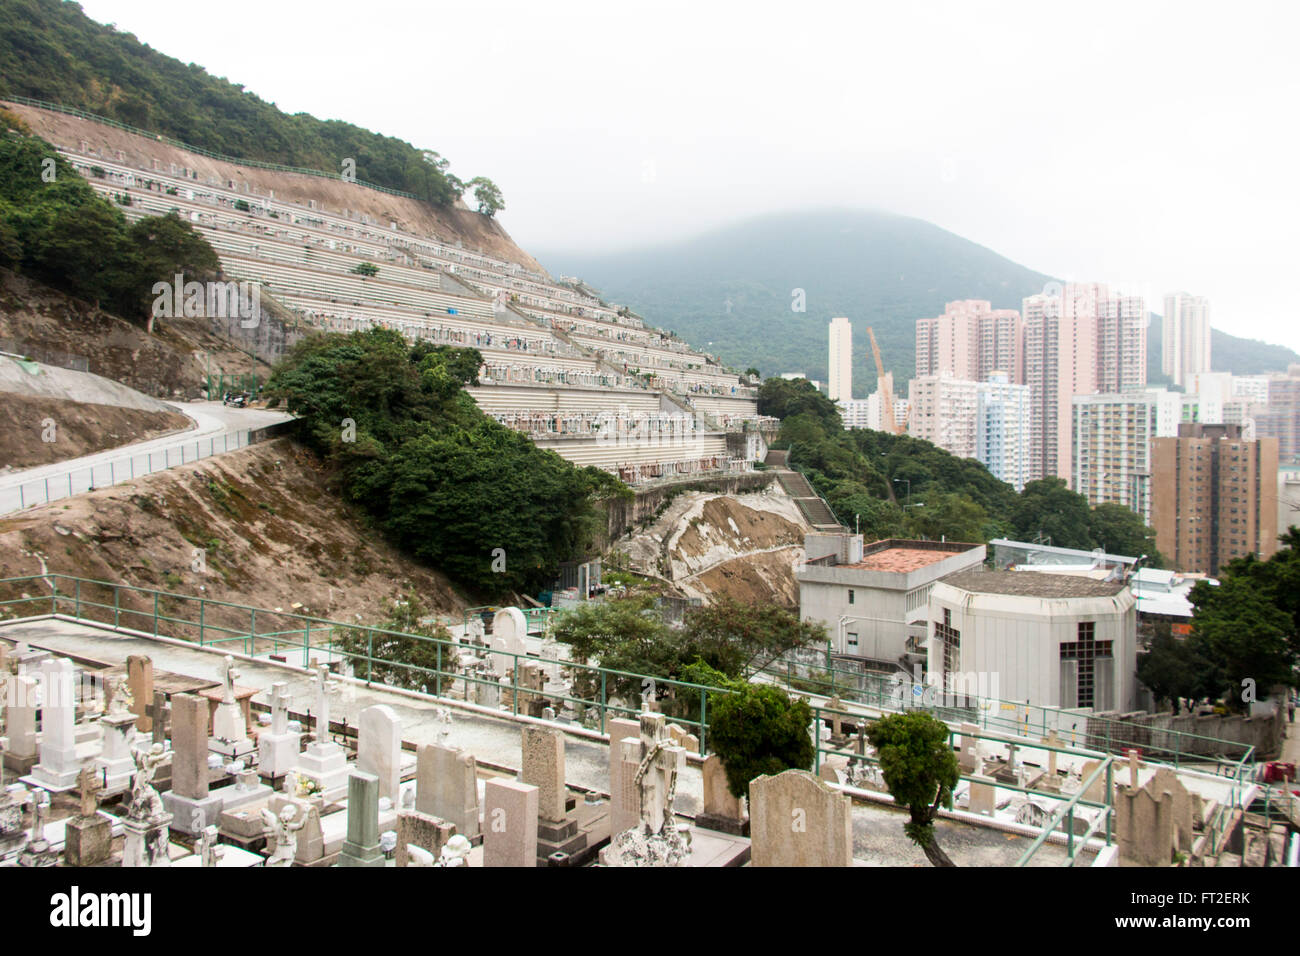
(1151,145)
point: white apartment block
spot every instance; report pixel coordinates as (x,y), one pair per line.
(841,360)
(943,412)
(1185,345)
(857,412)
(1253,388)
(1002,429)
(1111,445)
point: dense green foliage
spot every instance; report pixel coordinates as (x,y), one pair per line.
(920,770)
(448,484)
(898,486)
(54,228)
(722,641)
(731,291)
(759,729)
(51,50)
(401,661)
(1247,629)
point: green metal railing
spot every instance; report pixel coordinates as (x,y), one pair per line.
(892,692)
(537,618)
(1104,815)
(206,622)
(1065,813)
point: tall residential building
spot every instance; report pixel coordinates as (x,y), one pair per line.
(1185,339)
(841,360)
(1121,343)
(1253,388)
(1111,439)
(1214,497)
(1002,429)
(1060,362)
(1280,419)
(857,412)
(970,341)
(1077,343)
(943,412)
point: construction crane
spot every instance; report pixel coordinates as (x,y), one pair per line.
(884,387)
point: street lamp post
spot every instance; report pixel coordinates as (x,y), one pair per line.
(907,482)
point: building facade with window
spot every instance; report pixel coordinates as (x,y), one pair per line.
(873,597)
(1214,497)
(1054,640)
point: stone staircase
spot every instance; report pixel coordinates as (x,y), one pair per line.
(814,508)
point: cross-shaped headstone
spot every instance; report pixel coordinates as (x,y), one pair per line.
(321,685)
(89,786)
(161,715)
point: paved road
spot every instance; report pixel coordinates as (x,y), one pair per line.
(216,429)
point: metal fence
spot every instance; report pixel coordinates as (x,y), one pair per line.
(75,481)
(603,692)
(207,622)
(894,692)
(68,360)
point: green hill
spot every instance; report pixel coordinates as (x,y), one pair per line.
(730,291)
(50,50)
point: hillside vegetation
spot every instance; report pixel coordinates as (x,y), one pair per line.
(50,50)
(55,228)
(731,291)
(897,486)
(447,483)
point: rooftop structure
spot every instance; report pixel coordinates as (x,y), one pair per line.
(871,598)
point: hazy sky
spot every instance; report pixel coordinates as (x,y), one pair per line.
(1151,145)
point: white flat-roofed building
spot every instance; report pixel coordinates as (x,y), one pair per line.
(1053,640)
(869,596)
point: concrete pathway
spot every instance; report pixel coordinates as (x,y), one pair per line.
(217,429)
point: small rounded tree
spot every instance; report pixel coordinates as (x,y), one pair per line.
(920,770)
(759,730)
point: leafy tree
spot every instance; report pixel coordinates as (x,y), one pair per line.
(920,770)
(784,398)
(426,463)
(725,640)
(490,200)
(401,661)
(51,50)
(365,269)
(1173,669)
(738,638)
(62,233)
(1119,530)
(1048,507)
(1244,635)
(948,516)
(759,729)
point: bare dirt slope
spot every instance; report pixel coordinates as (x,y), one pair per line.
(475,231)
(171,363)
(742,546)
(270,532)
(80,428)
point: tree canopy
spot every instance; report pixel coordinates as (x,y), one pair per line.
(759,729)
(56,229)
(1245,635)
(898,486)
(445,482)
(50,50)
(920,770)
